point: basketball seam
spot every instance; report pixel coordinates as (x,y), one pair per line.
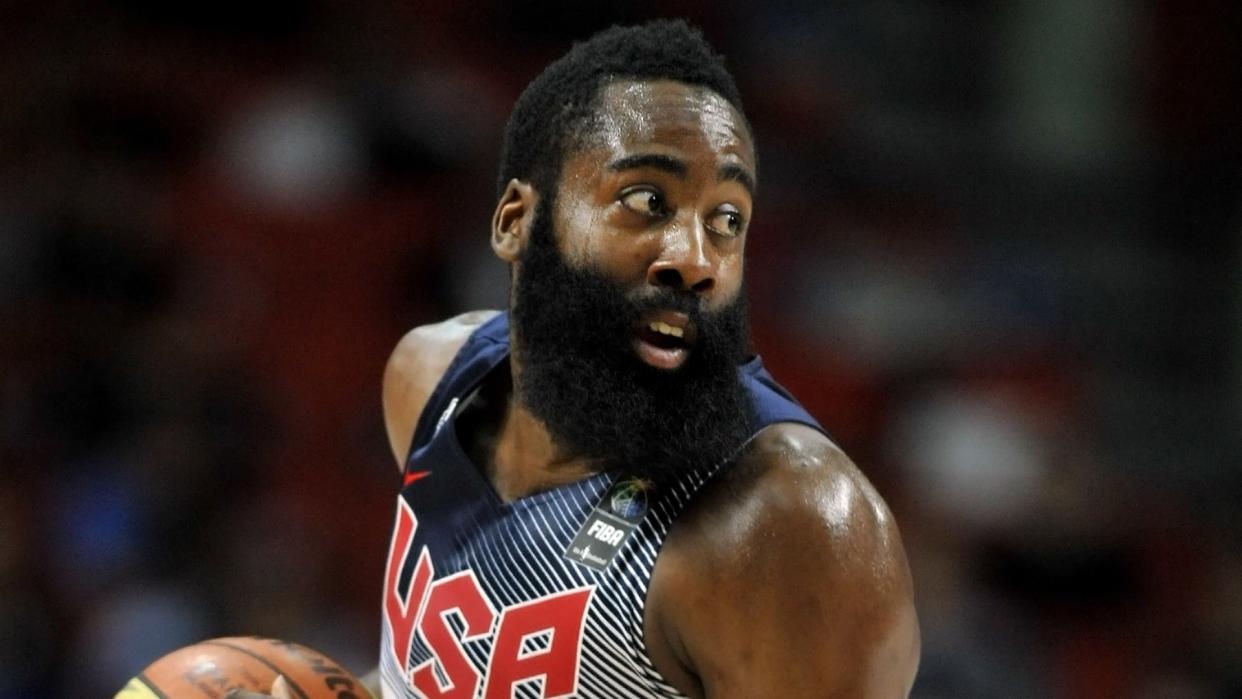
(292,685)
(142,677)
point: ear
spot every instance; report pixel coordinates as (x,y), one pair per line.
(511,223)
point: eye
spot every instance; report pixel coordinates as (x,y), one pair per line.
(645,201)
(726,222)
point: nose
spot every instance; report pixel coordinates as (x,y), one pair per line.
(686,261)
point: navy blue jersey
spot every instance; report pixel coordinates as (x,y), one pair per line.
(540,597)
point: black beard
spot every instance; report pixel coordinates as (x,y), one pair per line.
(581,378)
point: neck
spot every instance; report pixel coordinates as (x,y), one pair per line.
(526,460)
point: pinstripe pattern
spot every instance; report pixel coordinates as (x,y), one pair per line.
(517,557)
(516,549)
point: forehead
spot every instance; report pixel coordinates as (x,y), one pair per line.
(637,114)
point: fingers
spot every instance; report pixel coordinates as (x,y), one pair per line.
(280,690)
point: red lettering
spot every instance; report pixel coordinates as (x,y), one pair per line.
(401,613)
(515,658)
(462,595)
(562,617)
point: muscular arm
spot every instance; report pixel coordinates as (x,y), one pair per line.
(786,579)
(414,369)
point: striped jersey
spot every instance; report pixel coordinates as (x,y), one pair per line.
(539,597)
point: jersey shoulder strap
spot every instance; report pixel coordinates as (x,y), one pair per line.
(486,347)
(772,402)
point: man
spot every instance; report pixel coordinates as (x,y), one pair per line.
(603,497)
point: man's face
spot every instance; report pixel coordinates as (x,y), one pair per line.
(628,305)
(660,199)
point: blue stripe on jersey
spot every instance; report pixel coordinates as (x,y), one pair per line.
(515,550)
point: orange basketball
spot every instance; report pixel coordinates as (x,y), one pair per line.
(211,669)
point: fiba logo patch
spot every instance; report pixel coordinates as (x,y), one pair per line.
(628,499)
(609,524)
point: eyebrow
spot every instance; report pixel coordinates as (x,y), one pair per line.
(678,167)
(739,174)
(657,161)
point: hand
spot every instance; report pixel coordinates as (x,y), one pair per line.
(279,690)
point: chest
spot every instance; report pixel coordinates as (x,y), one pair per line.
(483,597)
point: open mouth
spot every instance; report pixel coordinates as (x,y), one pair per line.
(663,340)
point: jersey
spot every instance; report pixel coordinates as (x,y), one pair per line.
(540,597)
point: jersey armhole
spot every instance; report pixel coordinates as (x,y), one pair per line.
(428,420)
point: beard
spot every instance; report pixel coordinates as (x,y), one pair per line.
(582,379)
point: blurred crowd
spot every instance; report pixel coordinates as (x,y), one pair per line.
(997,252)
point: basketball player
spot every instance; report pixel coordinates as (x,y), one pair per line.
(603,495)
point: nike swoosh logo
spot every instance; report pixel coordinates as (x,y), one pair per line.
(415,476)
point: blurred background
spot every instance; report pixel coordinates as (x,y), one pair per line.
(997,252)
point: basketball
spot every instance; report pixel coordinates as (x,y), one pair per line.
(211,669)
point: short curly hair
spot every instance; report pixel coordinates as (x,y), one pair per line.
(554,113)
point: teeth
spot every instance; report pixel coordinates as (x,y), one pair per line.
(666,329)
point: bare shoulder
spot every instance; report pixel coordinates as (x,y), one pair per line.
(796,480)
(787,577)
(414,369)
